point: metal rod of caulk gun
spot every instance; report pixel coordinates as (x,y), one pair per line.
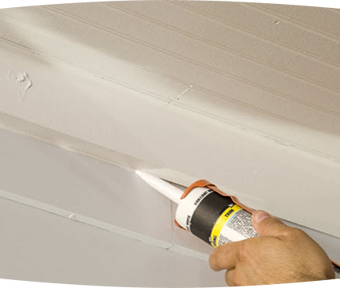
(168,190)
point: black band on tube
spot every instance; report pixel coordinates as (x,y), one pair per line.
(207,213)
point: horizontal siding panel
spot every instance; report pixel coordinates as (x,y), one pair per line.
(119,70)
(159,74)
(189,62)
(287,35)
(243,44)
(289,133)
(309,17)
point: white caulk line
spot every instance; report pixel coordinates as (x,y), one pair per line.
(100,224)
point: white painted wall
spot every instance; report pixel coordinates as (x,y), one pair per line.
(38,246)
(121,232)
(42,245)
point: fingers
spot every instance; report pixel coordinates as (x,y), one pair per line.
(267,225)
(225,256)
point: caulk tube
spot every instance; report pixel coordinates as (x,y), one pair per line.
(214,218)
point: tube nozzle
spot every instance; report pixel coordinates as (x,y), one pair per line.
(168,190)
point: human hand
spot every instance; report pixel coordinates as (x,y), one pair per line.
(280,254)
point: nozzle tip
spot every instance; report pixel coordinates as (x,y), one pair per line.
(138,172)
(170,191)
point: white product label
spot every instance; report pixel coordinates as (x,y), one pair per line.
(234,224)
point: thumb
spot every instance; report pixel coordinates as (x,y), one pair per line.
(267,225)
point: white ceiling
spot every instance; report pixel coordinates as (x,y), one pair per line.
(253,89)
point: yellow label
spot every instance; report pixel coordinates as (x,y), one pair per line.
(221,221)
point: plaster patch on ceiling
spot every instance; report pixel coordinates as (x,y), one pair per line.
(19,82)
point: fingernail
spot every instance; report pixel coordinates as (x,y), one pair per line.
(259,216)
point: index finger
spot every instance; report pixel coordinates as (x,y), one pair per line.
(224,256)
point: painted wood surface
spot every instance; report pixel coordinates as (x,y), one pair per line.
(38,246)
(242,95)
(58,208)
